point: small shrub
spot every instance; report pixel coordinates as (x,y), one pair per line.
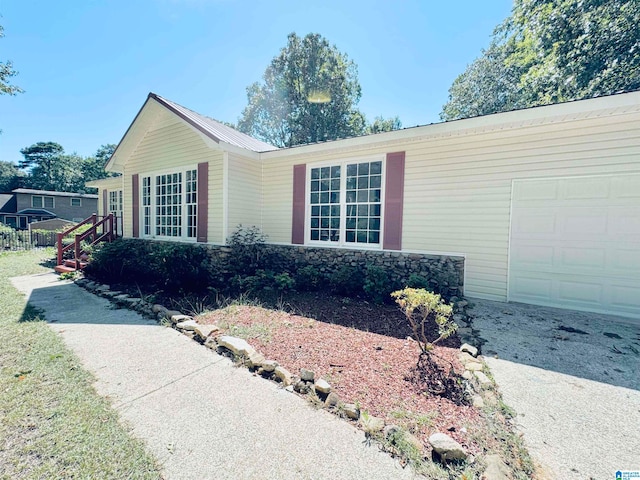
(247,246)
(377,283)
(421,307)
(309,278)
(347,281)
(417,281)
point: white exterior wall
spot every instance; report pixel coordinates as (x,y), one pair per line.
(458,186)
(244,197)
(170,144)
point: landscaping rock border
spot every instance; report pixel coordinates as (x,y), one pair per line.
(478,384)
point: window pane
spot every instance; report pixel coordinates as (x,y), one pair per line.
(375,168)
(363,169)
(315,173)
(350,236)
(375,181)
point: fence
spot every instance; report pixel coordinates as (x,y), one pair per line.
(11,239)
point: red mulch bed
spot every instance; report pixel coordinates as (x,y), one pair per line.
(362,366)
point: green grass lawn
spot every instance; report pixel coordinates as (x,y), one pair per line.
(52,422)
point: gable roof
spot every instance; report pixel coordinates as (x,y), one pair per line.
(8,203)
(219,132)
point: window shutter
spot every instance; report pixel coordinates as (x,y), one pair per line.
(105,206)
(203,201)
(135,205)
(297,223)
(393,201)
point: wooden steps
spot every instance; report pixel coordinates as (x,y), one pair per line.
(69,266)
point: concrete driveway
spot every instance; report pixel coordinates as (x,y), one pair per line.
(574,380)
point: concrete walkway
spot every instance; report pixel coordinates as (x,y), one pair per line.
(200,416)
(573,379)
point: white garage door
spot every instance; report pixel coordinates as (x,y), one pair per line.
(575,243)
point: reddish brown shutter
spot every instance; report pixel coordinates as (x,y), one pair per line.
(135,205)
(104,202)
(203,201)
(297,224)
(393,201)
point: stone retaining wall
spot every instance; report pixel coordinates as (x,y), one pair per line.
(444,273)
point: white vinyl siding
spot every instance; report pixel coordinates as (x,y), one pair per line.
(171,145)
(458,187)
(244,192)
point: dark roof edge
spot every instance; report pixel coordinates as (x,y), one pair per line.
(161,100)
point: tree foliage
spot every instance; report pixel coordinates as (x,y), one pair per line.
(50,168)
(381,124)
(10,177)
(6,72)
(309,94)
(551,51)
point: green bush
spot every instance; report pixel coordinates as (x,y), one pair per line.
(378,284)
(247,248)
(347,281)
(170,266)
(309,278)
(417,281)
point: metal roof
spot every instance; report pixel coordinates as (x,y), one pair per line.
(217,131)
(58,194)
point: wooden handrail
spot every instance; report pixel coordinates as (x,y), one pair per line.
(107,235)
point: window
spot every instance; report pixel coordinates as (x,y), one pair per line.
(76,202)
(345,203)
(38,201)
(115,202)
(169,205)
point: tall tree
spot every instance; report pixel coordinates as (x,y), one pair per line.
(309,94)
(550,51)
(93,167)
(381,124)
(40,160)
(10,177)
(6,72)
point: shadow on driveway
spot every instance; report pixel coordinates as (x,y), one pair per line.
(592,346)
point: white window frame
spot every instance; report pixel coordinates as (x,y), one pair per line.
(342,243)
(78,199)
(152,218)
(42,198)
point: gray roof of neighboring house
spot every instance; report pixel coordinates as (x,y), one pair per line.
(58,194)
(214,129)
(8,203)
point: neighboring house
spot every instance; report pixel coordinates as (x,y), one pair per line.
(24,206)
(543,204)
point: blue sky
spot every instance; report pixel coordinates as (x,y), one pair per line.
(87,66)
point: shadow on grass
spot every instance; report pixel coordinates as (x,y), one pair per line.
(31,314)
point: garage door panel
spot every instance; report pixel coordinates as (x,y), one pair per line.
(537,224)
(581,292)
(575,243)
(591,189)
(584,259)
(626,296)
(626,187)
